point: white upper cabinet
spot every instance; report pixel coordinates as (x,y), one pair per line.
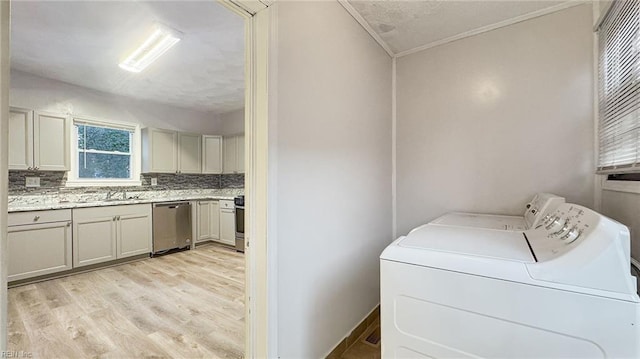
(159,150)
(38,140)
(51,142)
(20,139)
(166,151)
(240,154)
(211,154)
(233,154)
(189,153)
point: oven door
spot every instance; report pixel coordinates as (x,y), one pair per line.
(240,229)
(239,220)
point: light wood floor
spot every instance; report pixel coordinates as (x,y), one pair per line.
(182,305)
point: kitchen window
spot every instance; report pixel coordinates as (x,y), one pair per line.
(619,89)
(104,154)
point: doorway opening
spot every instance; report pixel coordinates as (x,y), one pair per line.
(124,286)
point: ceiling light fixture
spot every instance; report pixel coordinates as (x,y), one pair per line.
(161,40)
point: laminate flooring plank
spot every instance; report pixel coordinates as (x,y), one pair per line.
(157,273)
(224,257)
(129,339)
(141,317)
(55,295)
(52,342)
(33,310)
(17,336)
(181,346)
(67,313)
(85,292)
(223,306)
(88,338)
(187,304)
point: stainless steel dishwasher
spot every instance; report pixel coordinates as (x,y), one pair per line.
(171,225)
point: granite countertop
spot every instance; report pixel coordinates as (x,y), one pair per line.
(24,203)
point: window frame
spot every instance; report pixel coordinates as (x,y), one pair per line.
(604,169)
(135,149)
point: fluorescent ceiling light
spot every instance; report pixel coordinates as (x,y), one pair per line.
(153,47)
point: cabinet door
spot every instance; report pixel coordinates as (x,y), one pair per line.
(214,219)
(189,153)
(38,249)
(211,154)
(227,226)
(20,139)
(51,141)
(203,219)
(161,154)
(94,239)
(229,155)
(133,234)
(240,154)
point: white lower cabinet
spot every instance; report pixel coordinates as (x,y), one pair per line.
(227,223)
(208,221)
(216,222)
(38,243)
(102,234)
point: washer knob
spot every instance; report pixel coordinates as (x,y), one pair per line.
(556,225)
(572,235)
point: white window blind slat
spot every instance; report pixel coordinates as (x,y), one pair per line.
(619,92)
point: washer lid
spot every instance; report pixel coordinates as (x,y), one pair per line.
(488,221)
(467,241)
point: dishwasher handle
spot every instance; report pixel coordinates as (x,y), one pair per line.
(171,204)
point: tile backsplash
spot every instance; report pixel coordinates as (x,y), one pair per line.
(54,181)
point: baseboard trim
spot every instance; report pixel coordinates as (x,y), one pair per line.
(353,336)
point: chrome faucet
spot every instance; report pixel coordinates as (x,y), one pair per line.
(111,194)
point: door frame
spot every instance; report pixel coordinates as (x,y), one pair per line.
(4,160)
(260,283)
(260,342)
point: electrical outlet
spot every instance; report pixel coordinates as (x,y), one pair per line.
(32,182)
(154,181)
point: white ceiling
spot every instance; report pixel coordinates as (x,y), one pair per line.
(82,42)
(406,25)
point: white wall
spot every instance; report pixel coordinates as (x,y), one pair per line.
(624,207)
(485,122)
(332,160)
(231,123)
(44,94)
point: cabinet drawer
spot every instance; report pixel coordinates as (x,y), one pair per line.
(35,217)
(226,204)
(38,249)
(117,210)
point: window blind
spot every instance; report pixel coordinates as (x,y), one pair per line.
(619,92)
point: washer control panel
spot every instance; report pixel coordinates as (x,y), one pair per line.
(557,231)
(540,205)
(566,224)
(575,245)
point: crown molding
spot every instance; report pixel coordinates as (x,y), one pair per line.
(497,25)
(356,15)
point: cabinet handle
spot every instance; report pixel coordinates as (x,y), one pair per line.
(115,218)
(29,168)
(69,224)
(36,168)
(118,218)
(36,218)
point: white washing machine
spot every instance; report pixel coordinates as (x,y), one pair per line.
(561,290)
(541,205)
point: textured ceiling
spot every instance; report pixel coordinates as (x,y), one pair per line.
(82,42)
(405,25)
